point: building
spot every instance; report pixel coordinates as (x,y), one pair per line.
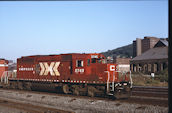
(142,45)
(148,43)
(3,66)
(162,43)
(123,64)
(137,50)
(153,60)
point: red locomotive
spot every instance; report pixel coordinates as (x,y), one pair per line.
(88,74)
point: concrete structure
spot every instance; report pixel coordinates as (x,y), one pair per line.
(137,50)
(123,64)
(153,60)
(142,45)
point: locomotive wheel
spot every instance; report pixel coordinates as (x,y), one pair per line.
(28,86)
(20,85)
(91,92)
(118,95)
(66,89)
(127,88)
(6,86)
(123,94)
(76,91)
(12,85)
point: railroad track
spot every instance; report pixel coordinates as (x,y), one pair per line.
(141,95)
(158,92)
(42,102)
(142,91)
(149,96)
(28,108)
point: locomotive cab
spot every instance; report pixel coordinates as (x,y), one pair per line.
(118,83)
(95,69)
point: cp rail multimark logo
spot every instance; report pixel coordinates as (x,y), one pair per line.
(52,68)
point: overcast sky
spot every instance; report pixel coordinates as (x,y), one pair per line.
(32,28)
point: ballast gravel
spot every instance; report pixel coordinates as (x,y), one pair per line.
(78,105)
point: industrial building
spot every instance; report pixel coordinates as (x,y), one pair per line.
(154,60)
(142,45)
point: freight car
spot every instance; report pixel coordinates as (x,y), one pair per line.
(78,74)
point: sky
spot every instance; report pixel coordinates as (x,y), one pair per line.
(55,27)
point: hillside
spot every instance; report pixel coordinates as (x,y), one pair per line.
(123,52)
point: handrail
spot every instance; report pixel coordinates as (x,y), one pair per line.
(108,81)
(131,80)
(5,76)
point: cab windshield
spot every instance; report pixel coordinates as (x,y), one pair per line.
(99,60)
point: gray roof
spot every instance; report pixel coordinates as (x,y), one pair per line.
(154,53)
(161,42)
(165,42)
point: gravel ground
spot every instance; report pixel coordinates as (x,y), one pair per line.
(4,109)
(77,105)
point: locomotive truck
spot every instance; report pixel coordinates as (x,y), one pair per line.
(78,74)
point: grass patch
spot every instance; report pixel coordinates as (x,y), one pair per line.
(163,76)
(146,80)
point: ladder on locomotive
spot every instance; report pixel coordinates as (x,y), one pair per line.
(5,76)
(110,86)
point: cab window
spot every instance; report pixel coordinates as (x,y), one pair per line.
(79,63)
(104,61)
(88,62)
(99,60)
(93,60)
